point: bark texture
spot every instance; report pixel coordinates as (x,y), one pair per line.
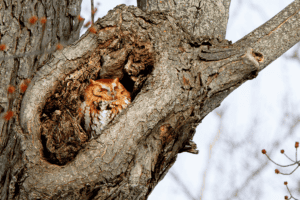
(173,59)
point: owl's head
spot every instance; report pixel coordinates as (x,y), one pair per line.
(105,88)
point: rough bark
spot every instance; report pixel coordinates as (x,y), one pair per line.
(173,59)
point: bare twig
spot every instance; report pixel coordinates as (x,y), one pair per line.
(92,11)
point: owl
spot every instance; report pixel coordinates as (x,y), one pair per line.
(104,99)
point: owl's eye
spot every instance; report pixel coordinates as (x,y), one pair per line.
(101,90)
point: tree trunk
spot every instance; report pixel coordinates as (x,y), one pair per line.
(171,57)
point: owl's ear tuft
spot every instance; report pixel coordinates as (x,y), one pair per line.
(116,80)
(92,81)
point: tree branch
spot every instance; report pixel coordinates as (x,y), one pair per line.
(276,36)
(192,15)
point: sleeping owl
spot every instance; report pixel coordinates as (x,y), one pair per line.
(104,99)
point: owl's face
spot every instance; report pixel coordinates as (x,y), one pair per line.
(101,90)
(105,93)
